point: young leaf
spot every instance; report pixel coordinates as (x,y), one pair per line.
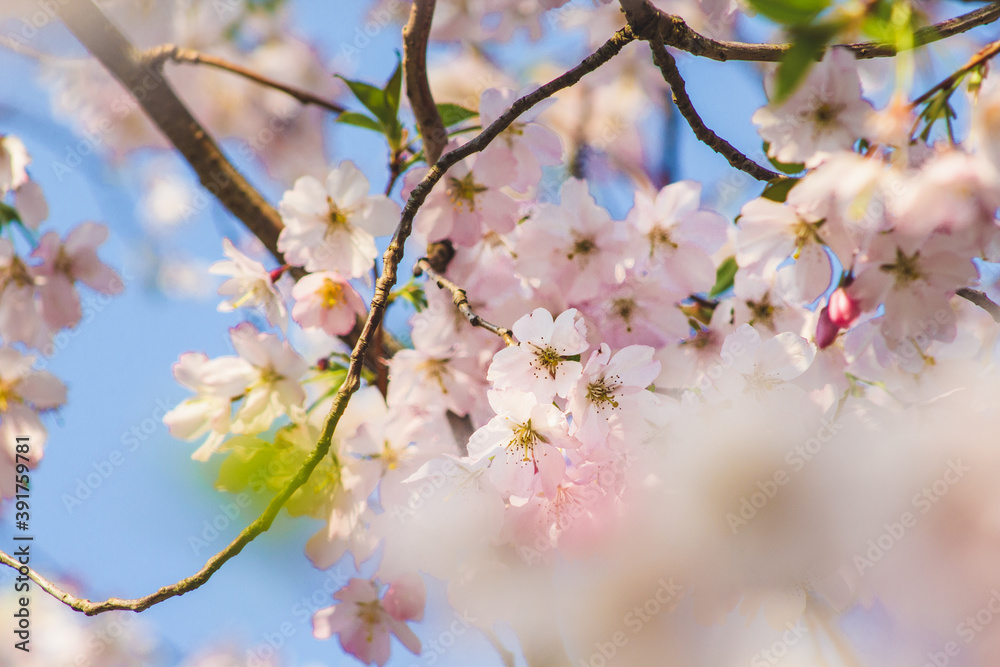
(790,12)
(392,88)
(725,275)
(452,114)
(373,99)
(360,120)
(778,189)
(783,167)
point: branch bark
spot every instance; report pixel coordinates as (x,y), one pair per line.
(418,89)
(145,81)
(391,259)
(680,35)
(155,57)
(461,301)
(981,300)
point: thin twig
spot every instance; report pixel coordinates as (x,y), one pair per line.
(979,58)
(160,54)
(668,67)
(461,301)
(352,382)
(418,89)
(981,300)
(678,34)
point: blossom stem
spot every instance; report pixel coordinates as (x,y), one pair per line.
(678,34)
(160,54)
(668,67)
(981,300)
(953,79)
(418,89)
(462,302)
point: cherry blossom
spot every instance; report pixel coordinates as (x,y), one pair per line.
(365,622)
(24,392)
(14,160)
(249,284)
(20,313)
(541,362)
(525,440)
(65,262)
(517,156)
(327,301)
(275,389)
(332,227)
(826,113)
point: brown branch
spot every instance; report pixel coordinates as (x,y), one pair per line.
(147,85)
(418,89)
(461,301)
(981,300)
(352,382)
(668,67)
(157,56)
(678,34)
(949,81)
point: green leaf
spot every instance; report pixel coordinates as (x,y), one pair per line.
(374,100)
(360,120)
(808,44)
(784,167)
(452,114)
(778,189)
(790,12)
(724,276)
(392,88)
(246,464)
(8,214)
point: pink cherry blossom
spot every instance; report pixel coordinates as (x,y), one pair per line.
(466,205)
(524,440)
(824,114)
(572,248)
(20,312)
(24,393)
(63,263)
(675,236)
(611,388)
(364,622)
(275,391)
(517,156)
(327,301)
(539,363)
(249,284)
(332,227)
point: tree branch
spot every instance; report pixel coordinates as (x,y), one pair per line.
(147,85)
(462,302)
(678,34)
(668,67)
(984,54)
(157,56)
(418,89)
(352,382)
(981,300)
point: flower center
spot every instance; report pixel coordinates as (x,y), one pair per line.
(370,614)
(906,269)
(584,245)
(330,293)
(601,394)
(524,439)
(8,395)
(337,218)
(463,191)
(660,237)
(826,114)
(624,308)
(762,311)
(548,359)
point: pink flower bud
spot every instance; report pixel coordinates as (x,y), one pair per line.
(843,309)
(826,331)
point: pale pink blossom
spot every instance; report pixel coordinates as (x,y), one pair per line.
(541,362)
(327,301)
(20,312)
(466,205)
(639,311)
(525,439)
(64,263)
(249,284)
(826,112)
(14,160)
(364,622)
(611,390)
(676,237)
(24,393)
(332,227)
(762,369)
(572,248)
(517,155)
(275,391)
